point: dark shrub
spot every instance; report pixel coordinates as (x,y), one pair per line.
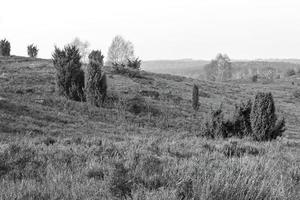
(241,125)
(290,72)
(134,64)
(195,97)
(254,78)
(96,84)
(215,126)
(263,118)
(136,105)
(126,71)
(96,57)
(4,48)
(257,120)
(32,51)
(278,129)
(49,141)
(69,75)
(296,93)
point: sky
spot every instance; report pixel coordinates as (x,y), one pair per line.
(159,29)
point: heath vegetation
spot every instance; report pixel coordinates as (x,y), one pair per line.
(80,129)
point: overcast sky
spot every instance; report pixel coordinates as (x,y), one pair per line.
(159,29)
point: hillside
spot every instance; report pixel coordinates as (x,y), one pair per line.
(184,67)
(54,148)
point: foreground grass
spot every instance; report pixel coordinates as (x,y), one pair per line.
(165,167)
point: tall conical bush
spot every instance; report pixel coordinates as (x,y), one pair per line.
(96,81)
(264,123)
(195,97)
(69,75)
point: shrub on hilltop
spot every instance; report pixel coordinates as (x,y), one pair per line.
(123,69)
(32,51)
(134,63)
(4,48)
(69,75)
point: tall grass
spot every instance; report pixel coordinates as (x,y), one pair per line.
(152,168)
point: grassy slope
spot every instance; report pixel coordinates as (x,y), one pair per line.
(31,112)
(185,67)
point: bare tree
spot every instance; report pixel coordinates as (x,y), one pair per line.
(219,69)
(120,51)
(83,47)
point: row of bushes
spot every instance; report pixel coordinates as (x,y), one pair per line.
(5,47)
(257,120)
(71,79)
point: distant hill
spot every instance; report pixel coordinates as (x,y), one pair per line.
(287,60)
(194,68)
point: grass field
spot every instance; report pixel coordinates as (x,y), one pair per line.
(54,148)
